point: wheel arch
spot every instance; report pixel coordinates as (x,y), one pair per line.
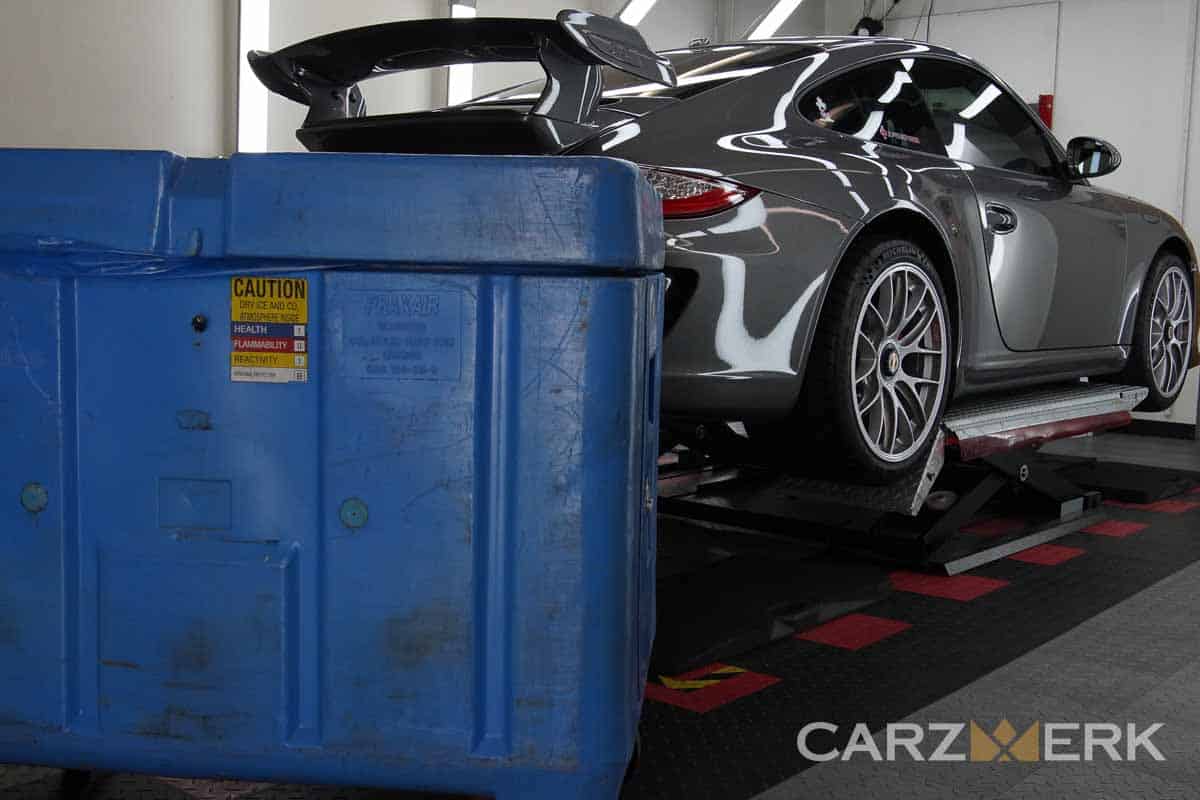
(1175,245)
(1178,246)
(908,223)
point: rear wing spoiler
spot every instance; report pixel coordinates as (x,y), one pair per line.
(323,73)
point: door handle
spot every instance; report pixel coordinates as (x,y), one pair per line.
(1000,219)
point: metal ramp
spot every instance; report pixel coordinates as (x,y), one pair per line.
(985,454)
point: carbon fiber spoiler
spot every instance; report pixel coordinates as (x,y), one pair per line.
(323,73)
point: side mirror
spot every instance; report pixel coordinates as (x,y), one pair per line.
(1091,158)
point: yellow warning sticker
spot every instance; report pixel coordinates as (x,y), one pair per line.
(268,330)
(272,300)
(276,360)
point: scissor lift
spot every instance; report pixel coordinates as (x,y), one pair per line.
(984,455)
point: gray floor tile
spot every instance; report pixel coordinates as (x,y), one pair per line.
(1136,662)
(1098,782)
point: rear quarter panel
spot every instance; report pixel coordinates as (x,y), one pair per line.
(769,266)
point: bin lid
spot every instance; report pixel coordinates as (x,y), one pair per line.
(145,212)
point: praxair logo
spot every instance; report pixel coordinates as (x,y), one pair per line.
(944,741)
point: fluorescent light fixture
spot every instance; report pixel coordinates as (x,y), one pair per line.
(774,19)
(635,11)
(893,91)
(254,27)
(980,103)
(874,123)
(958,142)
(460,84)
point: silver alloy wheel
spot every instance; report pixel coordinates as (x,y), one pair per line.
(900,362)
(1170,331)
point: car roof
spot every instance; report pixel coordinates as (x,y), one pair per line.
(695,65)
(804,45)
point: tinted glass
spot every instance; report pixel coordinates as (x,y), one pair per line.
(979,122)
(697,70)
(877,103)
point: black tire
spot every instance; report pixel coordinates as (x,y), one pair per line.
(1139,369)
(827,409)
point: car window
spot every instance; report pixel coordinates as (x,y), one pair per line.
(979,122)
(876,103)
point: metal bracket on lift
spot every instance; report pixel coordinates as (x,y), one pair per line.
(1068,505)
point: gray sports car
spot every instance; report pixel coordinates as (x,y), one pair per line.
(860,230)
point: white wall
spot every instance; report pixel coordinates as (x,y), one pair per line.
(296,20)
(493,77)
(1125,74)
(675,23)
(988,36)
(143,74)
(808,19)
(670,23)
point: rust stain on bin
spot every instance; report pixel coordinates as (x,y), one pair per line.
(10,632)
(182,724)
(192,652)
(190,419)
(189,686)
(423,634)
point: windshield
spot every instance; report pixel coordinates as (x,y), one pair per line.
(698,71)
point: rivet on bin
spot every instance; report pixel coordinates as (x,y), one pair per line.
(353,513)
(34,498)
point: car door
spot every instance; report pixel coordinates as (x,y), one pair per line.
(1056,248)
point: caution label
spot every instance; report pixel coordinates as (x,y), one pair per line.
(269,330)
(272,300)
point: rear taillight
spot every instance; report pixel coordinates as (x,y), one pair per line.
(688,195)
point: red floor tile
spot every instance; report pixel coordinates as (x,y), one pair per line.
(952,587)
(1048,554)
(994,527)
(706,688)
(854,631)
(1174,506)
(1162,506)
(1123,504)
(1119,528)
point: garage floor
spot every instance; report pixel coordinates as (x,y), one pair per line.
(1099,626)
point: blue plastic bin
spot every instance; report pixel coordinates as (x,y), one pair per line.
(328,468)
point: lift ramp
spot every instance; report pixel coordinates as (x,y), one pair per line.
(991,425)
(985,453)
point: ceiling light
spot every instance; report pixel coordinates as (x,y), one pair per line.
(774,19)
(460,84)
(254,27)
(635,11)
(980,103)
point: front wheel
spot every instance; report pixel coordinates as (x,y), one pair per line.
(1162,337)
(878,377)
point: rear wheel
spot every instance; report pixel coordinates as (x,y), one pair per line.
(878,377)
(1162,337)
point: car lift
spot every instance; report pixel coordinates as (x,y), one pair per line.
(984,456)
